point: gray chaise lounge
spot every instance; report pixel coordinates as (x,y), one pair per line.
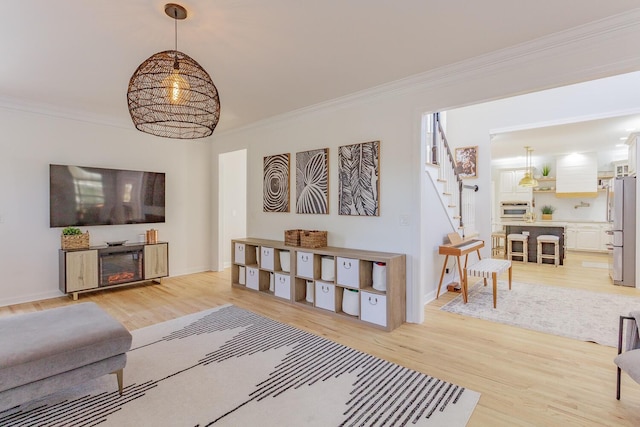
(46,351)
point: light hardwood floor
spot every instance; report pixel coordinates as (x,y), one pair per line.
(526,378)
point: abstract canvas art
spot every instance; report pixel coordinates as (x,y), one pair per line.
(275,184)
(312,182)
(359,179)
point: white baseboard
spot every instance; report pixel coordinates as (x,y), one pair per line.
(30,298)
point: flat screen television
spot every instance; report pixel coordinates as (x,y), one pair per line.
(83,196)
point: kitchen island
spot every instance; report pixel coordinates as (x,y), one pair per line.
(535,229)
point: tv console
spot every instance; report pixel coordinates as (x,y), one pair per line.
(101,267)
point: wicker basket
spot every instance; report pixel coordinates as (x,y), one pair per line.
(76,241)
(292,237)
(313,239)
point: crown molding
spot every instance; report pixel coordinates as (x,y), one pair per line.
(581,39)
(51,110)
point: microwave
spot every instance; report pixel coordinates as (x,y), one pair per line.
(515,209)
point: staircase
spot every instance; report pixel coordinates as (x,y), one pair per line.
(457,198)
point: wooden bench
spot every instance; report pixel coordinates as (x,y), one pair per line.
(487,268)
(45,351)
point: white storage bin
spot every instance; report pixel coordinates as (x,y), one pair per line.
(239,257)
(351,302)
(373,308)
(379,276)
(328,267)
(304,265)
(253,278)
(285,261)
(309,292)
(241,275)
(266,258)
(348,272)
(325,295)
(283,286)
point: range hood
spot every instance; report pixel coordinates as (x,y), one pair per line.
(577,175)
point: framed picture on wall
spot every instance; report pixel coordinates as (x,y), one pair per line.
(275,183)
(312,182)
(467,162)
(359,179)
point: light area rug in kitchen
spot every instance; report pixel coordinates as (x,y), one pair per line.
(230,367)
(574,313)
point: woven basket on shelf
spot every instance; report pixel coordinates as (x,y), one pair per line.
(292,237)
(76,241)
(313,239)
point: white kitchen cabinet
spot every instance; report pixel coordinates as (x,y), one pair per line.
(587,237)
(605,237)
(570,238)
(633,149)
(509,188)
(621,168)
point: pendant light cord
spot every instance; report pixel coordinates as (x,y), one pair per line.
(175,52)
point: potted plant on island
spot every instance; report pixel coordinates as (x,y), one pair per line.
(547,212)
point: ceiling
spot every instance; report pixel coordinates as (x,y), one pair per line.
(606,134)
(265,57)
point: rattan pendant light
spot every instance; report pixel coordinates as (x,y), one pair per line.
(171,95)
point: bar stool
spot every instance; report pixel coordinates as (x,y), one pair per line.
(524,239)
(555,240)
(499,244)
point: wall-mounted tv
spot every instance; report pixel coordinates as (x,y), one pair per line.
(82,196)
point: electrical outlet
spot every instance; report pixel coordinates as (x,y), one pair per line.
(404,220)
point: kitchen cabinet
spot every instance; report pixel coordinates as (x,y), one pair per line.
(570,237)
(587,237)
(621,168)
(633,159)
(509,188)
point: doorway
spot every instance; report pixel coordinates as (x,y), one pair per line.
(232,202)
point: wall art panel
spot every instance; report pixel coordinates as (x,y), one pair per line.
(312,181)
(359,179)
(275,185)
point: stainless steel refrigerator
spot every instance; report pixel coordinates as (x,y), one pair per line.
(622,265)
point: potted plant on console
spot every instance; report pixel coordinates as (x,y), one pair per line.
(74,238)
(547,212)
(546,169)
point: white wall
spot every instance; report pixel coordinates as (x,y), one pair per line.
(392,114)
(29,248)
(233,199)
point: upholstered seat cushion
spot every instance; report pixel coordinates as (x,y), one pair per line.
(629,362)
(486,267)
(37,345)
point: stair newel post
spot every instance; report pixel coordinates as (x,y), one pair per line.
(434,138)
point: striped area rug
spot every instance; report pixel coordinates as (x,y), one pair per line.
(231,367)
